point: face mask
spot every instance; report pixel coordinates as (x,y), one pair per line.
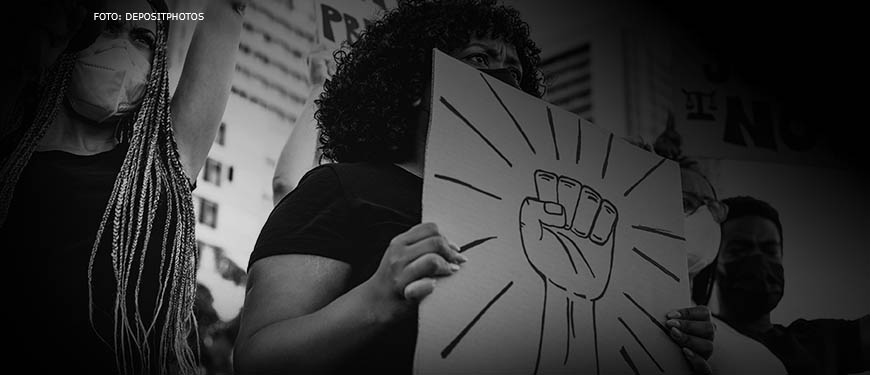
(751,286)
(702,239)
(109,78)
(504,75)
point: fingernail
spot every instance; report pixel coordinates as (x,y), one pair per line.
(462,258)
(688,352)
(675,333)
(672,323)
(673,314)
(454,267)
(553,208)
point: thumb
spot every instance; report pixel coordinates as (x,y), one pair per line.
(533,211)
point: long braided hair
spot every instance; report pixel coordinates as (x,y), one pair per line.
(150,177)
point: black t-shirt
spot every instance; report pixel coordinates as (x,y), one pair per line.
(820,346)
(49,232)
(350,212)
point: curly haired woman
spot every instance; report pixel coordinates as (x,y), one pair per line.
(98,167)
(342,262)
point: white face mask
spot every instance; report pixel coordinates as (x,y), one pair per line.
(109,79)
(702,239)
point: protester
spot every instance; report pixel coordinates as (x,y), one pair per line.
(98,164)
(751,282)
(343,261)
(704,212)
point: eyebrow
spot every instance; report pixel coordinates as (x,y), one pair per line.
(143,25)
(509,59)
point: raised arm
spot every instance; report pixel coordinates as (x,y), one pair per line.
(299,153)
(204,85)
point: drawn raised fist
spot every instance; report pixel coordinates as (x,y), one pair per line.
(568,233)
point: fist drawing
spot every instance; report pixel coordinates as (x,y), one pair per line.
(568,232)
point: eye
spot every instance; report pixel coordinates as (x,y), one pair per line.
(143,37)
(478,59)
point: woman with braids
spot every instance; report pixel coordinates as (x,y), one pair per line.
(342,262)
(96,206)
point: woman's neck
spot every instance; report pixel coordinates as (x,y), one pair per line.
(75,134)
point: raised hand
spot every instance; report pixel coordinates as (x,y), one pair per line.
(568,232)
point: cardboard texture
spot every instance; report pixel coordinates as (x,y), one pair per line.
(546,290)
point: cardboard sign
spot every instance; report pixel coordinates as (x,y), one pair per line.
(343,20)
(574,238)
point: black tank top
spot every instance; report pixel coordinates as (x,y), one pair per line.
(48,236)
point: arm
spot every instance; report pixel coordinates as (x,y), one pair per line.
(297,315)
(298,155)
(204,85)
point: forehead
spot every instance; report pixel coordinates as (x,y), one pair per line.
(693,182)
(751,228)
(496,44)
(132,6)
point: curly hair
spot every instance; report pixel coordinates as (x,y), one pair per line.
(366,111)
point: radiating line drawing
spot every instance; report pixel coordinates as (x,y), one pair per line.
(607,156)
(628,360)
(516,123)
(476,131)
(579,140)
(474,243)
(645,175)
(659,231)
(463,183)
(449,348)
(657,264)
(650,316)
(641,344)
(553,131)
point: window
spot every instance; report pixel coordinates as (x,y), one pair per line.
(208,212)
(212,171)
(230,174)
(221,137)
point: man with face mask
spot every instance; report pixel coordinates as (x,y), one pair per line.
(704,213)
(751,283)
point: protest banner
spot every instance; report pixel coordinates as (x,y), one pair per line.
(343,20)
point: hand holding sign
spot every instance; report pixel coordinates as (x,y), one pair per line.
(569,221)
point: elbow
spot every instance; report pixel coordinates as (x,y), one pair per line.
(280,188)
